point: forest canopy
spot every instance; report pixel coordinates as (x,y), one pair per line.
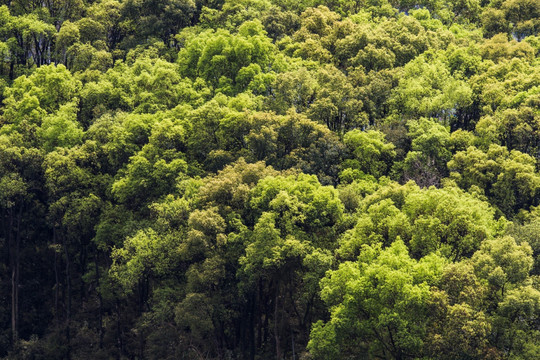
(270,179)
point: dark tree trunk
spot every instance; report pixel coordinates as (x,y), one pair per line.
(15,267)
(276,330)
(100,298)
(68,306)
(56,275)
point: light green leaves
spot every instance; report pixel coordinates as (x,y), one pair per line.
(428,89)
(381,299)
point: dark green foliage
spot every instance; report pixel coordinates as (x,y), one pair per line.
(270,179)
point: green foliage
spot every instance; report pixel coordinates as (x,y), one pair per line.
(31,97)
(426,162)
(62,128)
(508,178)
(446,220)
(461,326)
(502,261)
(155,169)
(428,89)
(372,154)
(146,86)
(228,62)
(256,179)
(306,209)
(381,299)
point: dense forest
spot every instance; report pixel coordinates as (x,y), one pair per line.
(270,179)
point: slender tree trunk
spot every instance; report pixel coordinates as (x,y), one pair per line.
(14,305)
(258,314)
(141,291)
(292,344)
(83,262)
(100,298)
(56,275)
(68,307)
(12,70)
(12,265)
(276,332)
(251,328)
(15,267)
(119,331)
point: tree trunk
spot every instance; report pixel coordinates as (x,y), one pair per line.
(251,328)
(68,307)
(276,333)
(56,275)
(15,267)
(119,331)
(100,298)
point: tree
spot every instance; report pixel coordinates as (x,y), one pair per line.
(147,85)
(460,327)
(43,92)
(494,22)
(155,169)
(335,103)
(426,163)
(446,220)
(515,127)
(220,57)
(294,141)
(382,299)
(507,177)
(503,263)
(295,89)
(372,154)
(421,92)
(523,15)
(162,19)
(62,128)
(16,194)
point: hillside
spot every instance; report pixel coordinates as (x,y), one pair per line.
(270,179)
